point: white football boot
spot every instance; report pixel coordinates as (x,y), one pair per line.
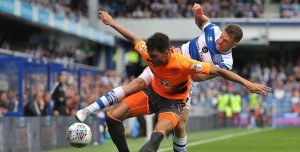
(82,114)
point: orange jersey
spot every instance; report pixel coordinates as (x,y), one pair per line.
(172,81)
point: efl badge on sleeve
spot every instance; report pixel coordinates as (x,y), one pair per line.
(197,67)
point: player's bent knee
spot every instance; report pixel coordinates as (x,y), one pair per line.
(120,112)
(111,121)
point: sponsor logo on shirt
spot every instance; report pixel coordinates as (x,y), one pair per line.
(205,49)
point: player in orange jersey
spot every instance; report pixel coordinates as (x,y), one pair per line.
(168,90)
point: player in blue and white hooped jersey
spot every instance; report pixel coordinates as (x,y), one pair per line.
(213,46)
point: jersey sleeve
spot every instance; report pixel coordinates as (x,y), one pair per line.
(141,48)
(210,26)
(200,68)
(197,67)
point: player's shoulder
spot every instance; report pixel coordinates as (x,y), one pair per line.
(180,56)
(141,46)
(182,61)
(210,26)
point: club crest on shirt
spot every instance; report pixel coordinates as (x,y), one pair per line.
(197,67)
(217,58)
(143,47)
(173,72)
(204,49)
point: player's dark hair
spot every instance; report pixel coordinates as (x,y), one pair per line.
(159,42)
(235,31)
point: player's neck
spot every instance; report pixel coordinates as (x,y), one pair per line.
(167,60)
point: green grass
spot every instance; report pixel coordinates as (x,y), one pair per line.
(221,140)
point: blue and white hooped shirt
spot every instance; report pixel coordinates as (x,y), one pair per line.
(203,48)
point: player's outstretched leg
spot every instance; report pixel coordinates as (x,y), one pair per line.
(154,142)
(116,130)
(180,138)
(115,96)
(112,97)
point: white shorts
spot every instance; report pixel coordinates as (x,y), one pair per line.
(147,76)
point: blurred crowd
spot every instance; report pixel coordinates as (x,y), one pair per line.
(284,79)
(290,9)
(72,9)
(64,99)
(40,45)
(77,10)
(182,8)
(81,53)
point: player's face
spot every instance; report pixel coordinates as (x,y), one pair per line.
(157,58)
(225,42)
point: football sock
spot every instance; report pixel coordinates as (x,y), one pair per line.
(117,133)
(154,142)
(179,144)
(112,97)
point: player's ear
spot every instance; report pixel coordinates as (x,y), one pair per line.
(167,52)
(235,45)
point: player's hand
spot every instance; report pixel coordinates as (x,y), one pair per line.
(175,50)
(105,17)
(259,89)
(197,10)
(172,48)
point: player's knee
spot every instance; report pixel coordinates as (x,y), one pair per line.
(111,121)
(179,130)
(183,120)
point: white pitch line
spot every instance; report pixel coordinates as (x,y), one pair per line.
(220,138)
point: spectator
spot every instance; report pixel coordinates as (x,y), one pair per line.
(4,107)
(295,99)
(223,100)
(48,110)
(236,106)
(296,108)
(254,105)
(35,107)
(71,106)
(58,96)
(279,92)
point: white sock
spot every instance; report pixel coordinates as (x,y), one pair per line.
(112,97)
(179,144)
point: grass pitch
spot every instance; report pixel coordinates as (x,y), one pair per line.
(221,140)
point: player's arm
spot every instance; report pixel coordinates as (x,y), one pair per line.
(107,19)
(202,77)
(200,18)
(252,87)
(195,77)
